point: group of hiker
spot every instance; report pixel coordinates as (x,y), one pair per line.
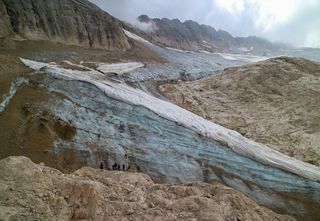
(116,166)
(125,166)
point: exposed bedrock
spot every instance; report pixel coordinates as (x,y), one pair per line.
(71,22)
(36,192)
(107,128)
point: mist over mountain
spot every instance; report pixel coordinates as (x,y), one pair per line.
(292,22)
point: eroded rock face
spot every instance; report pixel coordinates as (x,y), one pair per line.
(35,192)
(5,26)
(274,102)
(73,22)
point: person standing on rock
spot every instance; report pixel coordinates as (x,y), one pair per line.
(101,165)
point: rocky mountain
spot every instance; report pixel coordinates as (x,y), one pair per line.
(70,107)
(274,102)
(36,192)
(72,22)
(190,35)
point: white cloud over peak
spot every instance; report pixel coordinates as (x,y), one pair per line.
(232,6)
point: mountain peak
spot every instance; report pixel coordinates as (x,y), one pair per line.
(192,36)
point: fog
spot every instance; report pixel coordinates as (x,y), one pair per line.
(295,22)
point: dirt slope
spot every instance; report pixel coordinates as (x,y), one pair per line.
(34,192)
(275,102)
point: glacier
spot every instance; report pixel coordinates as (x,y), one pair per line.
(170,143)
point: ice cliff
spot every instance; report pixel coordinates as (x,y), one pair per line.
(169,143)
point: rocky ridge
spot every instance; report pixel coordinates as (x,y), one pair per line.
(71,22)
(274,102)
(190,35)
(35,192)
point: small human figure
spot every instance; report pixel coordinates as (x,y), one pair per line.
(123,167)
(114,166)
(119,167)
(101,165)
(128,168)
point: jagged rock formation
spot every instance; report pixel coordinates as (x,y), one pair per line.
(72,22)
(35,192)
(189,35)
(274,102)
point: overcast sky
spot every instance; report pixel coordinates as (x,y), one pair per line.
(291,21)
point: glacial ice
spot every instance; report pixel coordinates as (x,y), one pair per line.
(182,64)
(165,141)
(167,110)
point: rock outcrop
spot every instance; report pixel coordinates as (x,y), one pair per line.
(72,22)
(192,36)
(5,26)
(35,192)
(274,102)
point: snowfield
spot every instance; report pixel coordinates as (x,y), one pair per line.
(136,37)
(240,57)
(226,56)
(120,68)
(170,111)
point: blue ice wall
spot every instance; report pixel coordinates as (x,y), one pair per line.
(165,150)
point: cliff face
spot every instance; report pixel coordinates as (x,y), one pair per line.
(190,35)
(5,26)
(72,22)
(36,192)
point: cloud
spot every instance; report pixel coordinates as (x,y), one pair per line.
(145,26)
(232,6)
(290,21)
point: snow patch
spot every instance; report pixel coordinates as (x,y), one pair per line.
(120,68)
(206,46)
(178,50)
(170,111)
(13,89)
(77,65)
(242,57)
(136,37)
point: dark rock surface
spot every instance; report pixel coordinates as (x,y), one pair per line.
(72,22)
